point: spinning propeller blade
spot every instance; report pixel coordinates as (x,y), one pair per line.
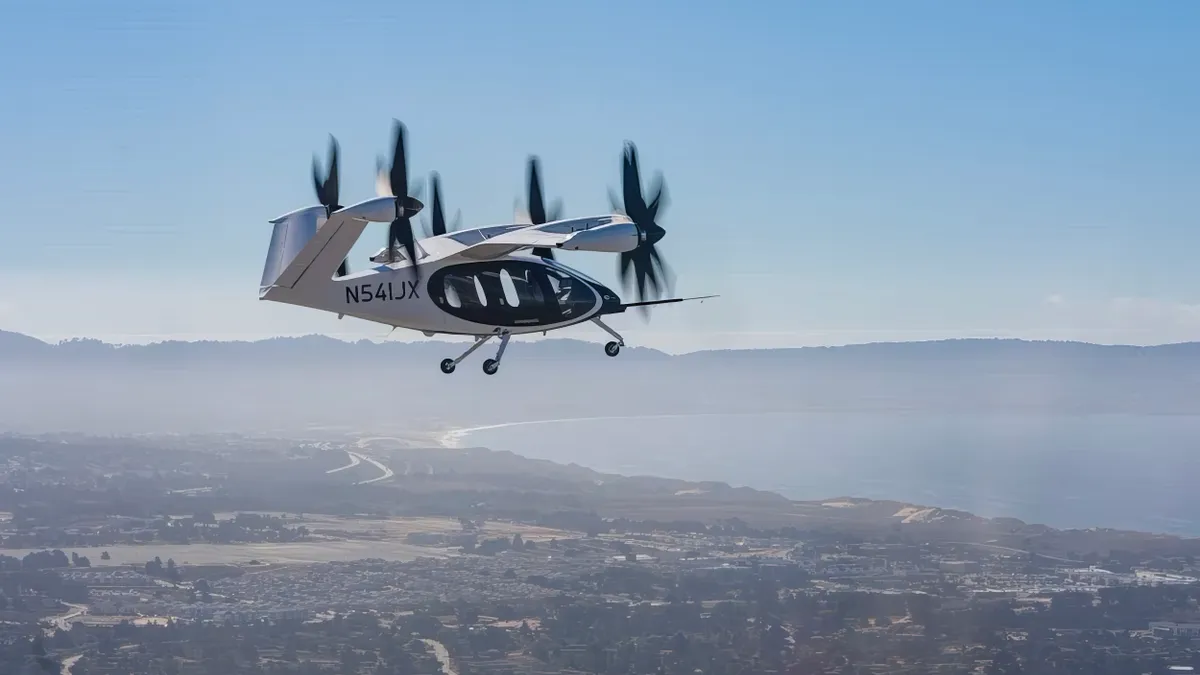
(437,224)
(400,230)
(327,190)
(536,205)
(642,267)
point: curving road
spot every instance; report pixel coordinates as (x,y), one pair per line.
(357,458)
(387,472)
(69,663)
(354,461)
(64,621)
(442,654)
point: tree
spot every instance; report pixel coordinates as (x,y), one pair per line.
(105,556)
(679,642)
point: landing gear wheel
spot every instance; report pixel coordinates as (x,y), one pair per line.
(447,366)
(490,366)
(612,348)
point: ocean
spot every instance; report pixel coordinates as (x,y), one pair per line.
(1071,471)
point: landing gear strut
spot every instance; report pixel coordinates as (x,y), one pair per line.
(449,364)
(614,347)
(490,366)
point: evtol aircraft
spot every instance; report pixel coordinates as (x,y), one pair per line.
(488,282)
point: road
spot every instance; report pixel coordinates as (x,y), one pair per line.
(69,663)
(387,473)
(357,458)
(63,621)
(1009,549)
(442,654)
(354,461)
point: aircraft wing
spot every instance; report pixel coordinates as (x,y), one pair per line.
(602,233)
(514,240)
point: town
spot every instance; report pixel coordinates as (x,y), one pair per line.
(589,592)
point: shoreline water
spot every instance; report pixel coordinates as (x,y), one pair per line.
(1119,471)
(452,438)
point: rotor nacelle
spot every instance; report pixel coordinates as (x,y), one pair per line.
(611,238)
(382,209)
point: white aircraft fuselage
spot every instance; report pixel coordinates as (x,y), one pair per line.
(472,282)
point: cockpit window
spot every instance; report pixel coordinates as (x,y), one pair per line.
(581,275)
(511,293)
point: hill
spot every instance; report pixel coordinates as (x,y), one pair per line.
(233,473)
(287,384)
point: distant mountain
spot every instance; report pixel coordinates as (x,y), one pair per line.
(17,345)
(284,349)
(285,384)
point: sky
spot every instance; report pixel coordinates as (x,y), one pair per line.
(839,172)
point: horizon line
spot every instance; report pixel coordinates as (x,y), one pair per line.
(443,339)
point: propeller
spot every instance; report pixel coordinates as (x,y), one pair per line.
(394,183)
(643,265)
(327,191)
(437,226)
(536,204)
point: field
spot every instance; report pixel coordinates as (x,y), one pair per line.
(373,538)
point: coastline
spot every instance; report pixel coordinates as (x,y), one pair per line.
(995,465)
(452,437)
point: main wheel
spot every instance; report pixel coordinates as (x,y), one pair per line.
(447,366)
(490,366)
(612,348)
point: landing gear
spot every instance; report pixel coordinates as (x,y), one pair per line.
(612,348)
(449,364)
(490,366)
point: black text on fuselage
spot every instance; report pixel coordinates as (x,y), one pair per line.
(384,291)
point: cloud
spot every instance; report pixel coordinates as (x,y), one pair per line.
(1055,299)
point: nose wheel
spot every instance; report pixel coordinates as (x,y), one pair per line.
(614,347)
(490,366)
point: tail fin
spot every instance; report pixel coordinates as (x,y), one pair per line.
(292,232)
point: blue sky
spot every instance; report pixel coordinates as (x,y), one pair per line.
(839,172)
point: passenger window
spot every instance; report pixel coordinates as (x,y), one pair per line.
(479,291)
(451,293)
(510,291)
